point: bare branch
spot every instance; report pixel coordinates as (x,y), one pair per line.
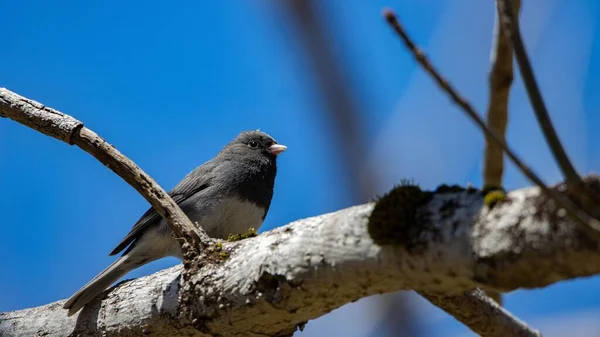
(500,80)
(588,224)
(445,245)
(68,129)
(340,105)
(511,25)
(476,310)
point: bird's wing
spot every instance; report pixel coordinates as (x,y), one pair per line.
(196,181)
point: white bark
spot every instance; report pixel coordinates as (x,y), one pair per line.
(136,307)
(270,284)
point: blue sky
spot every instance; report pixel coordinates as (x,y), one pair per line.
(169,85)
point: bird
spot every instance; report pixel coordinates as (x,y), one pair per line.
(226,195)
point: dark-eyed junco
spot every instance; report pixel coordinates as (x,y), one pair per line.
(226,195)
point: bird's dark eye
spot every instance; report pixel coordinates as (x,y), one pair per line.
(252,143)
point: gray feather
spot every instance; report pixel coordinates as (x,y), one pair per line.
(97,285)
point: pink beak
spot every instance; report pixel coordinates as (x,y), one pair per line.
(276,149)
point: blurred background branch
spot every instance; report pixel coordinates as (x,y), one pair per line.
(343,115)
(500,80)
(340,104)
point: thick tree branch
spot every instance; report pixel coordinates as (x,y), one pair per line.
(440,244)
(68,129)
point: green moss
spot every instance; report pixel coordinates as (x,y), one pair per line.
(395,218)
(494,197)
(216,253)
(251,232)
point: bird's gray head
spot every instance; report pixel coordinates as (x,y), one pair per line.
(254,143)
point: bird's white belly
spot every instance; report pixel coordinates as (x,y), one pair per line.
(229,216)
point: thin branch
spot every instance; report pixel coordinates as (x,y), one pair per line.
(500,80)
(511,25)
(68,129)
(588,224)
(475,309)
(340,106)
(342,112)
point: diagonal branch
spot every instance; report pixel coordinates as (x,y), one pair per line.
(69,130)
(445,244)
(476,310)
(588,224)
(340,106)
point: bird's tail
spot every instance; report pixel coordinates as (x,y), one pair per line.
(99,283)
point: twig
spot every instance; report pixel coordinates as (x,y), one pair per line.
(474,307)
(511,26)
(587,224)
(68,129)
(500,80)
